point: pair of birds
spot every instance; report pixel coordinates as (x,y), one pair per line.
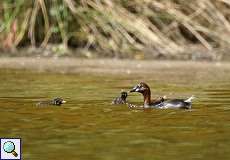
(160,103)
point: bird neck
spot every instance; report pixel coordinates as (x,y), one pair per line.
(147,97)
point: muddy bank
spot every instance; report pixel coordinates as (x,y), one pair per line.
(106,66)
(190,52)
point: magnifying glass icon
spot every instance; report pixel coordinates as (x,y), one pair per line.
(9,147)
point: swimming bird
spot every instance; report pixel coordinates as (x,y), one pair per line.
(121,99)
(144,89)
(56,101)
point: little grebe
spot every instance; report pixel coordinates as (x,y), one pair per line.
(144,89)
(154,103)
(121,99)
(56,101)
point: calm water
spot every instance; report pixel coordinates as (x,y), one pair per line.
(88,127)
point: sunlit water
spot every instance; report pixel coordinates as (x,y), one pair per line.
(88,127)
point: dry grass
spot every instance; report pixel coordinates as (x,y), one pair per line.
(122,28)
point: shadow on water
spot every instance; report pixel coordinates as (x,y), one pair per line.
(88,127)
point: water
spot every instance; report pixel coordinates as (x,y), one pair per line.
(88,127)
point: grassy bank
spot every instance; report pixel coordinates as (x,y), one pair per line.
(123,28)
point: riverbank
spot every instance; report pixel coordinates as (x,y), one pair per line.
(190,53)
(106,66)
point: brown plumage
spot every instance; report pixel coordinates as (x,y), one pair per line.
(144,89)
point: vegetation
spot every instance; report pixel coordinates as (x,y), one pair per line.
(121,28)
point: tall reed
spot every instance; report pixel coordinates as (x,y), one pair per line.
(117,27)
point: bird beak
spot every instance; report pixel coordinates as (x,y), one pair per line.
(135,89)
(63,101)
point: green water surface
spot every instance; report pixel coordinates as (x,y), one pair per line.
(88,127)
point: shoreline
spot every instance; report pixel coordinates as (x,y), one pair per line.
(104,66)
